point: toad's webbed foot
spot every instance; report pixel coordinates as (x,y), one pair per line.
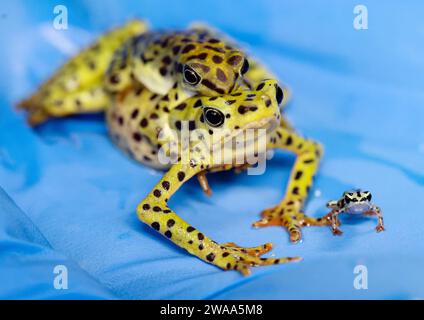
(241,259)
(288,215)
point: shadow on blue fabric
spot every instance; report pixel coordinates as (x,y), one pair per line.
(357,91)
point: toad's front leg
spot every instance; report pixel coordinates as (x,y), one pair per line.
(377,212)
(155,212)
(288,212)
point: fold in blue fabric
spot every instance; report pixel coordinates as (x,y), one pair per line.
(29,266)
(71,195)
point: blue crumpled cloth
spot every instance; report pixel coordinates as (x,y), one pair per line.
(358,92)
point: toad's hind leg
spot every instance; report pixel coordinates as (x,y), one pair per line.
(288,212)
(77,87)
(154,211)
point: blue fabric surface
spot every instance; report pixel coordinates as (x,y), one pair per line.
(358,92)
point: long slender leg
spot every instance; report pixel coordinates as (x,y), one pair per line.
(377,211)
(288,212)
(154,211)
(333,217)
(78,85)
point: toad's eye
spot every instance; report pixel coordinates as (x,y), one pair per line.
(369,197)
(279,94)
(190,76)
(347,199)
(245,67)
(214,117)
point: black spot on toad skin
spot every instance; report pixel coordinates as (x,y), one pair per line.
(209,84)
(298,175)
(154,116)
(137,136)
(170,223)
(228,265)
(307,161)
(156,226)
(157,193)
(91,65)
(178,125)
(138,91)
(166,210)
(200,236)
(146,206)
(190,229)
(144,122)
(289,141)
(234,60)
(163,71)
(181,106)
(166,185)
(295,190)
(230,102)
(157,209)
(134,114)
(188,48)
(267,103)
(242,109)
(260,86)
(221,75)
(168,234)
(166,60)
(210,257)
(201,247)
(176,50)
(198,103)
(201,56)
(114,79)
(219,50)
(217,59)
(225,254)
(181,175)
